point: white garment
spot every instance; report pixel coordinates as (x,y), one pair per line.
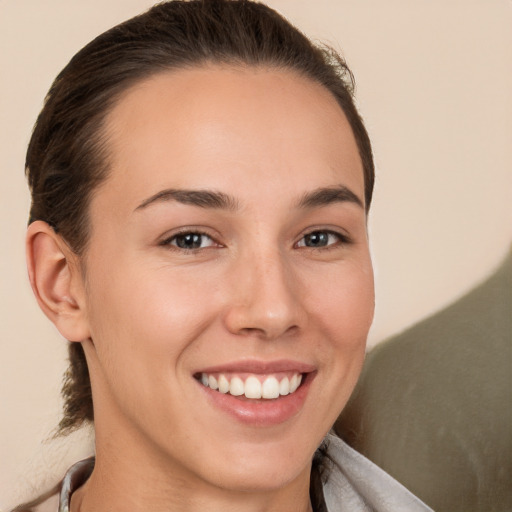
(355,484)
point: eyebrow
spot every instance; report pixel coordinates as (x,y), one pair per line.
(219,200)
(200,198)
(329,195)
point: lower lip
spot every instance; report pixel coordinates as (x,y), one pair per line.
(261,412)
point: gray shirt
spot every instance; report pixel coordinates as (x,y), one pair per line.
(354,484)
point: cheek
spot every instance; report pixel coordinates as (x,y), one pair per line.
(341,312)
(148,310)
(344,313)
(143,325)
(344,306)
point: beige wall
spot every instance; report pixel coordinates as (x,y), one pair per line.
(434,85)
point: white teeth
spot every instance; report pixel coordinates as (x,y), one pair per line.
(223,384)
(294,383)
(236,387)
(270,388)
(253,387)
(284,386)
(212,382)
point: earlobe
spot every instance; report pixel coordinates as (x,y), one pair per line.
(56,281)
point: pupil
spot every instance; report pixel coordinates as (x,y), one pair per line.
(317,239)
(189,241)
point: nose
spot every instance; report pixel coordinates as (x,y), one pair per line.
(265,298)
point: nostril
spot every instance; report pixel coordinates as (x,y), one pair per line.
(270,332)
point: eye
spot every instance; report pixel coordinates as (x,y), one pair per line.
(189,241)
(319,239)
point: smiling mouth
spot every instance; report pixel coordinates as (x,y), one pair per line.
(252,386)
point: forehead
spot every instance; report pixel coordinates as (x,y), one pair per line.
(221,127)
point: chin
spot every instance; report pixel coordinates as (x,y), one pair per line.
(261,468)
(262,478)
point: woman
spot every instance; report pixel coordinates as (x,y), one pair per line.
(200,183)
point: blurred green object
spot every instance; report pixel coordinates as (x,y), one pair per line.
(433,406)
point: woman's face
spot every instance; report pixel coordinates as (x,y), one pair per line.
(228,246)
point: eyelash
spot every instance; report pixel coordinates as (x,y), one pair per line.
(342,239)
(169,241)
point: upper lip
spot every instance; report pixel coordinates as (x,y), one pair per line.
(260,367)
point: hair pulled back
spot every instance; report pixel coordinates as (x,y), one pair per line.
(68,157)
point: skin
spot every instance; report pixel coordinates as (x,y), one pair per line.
(150,314)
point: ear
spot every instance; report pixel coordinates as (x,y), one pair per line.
(57,281)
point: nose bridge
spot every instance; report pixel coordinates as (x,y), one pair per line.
(266,302)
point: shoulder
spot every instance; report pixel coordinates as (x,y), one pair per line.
(51,504)
(57,499)
(48,502)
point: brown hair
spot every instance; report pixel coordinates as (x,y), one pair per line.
(67,157)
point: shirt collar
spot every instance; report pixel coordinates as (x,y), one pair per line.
(75,477)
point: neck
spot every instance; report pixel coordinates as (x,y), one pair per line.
(130,475)
(106,491)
